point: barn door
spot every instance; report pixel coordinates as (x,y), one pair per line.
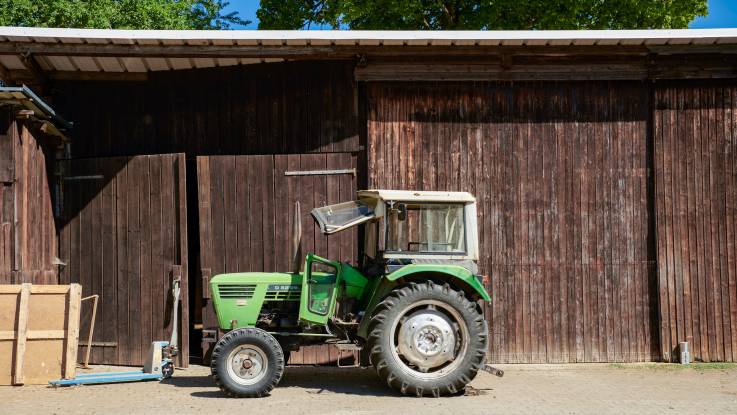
(246,209)
(124,237)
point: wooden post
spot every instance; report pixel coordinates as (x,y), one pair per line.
(70,361)
(94,298)
(20,341)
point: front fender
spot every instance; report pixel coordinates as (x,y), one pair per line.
(451,271)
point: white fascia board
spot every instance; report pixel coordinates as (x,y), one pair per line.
(54,35)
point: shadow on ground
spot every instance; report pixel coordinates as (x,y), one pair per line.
(313,380)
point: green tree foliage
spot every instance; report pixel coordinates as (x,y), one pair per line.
(479,14)
(118,14)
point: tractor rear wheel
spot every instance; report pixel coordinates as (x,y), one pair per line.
(247,363)
(427,339)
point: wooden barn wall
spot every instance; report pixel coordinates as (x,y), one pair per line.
(560,173)
(246,221)
(606,208)
(28,243)
(272,108)
(123,237)
(7,211)
(696,210)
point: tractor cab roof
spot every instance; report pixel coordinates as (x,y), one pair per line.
(417,196)
(337,217)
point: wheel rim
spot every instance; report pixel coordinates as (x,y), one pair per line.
(429,339)
(247,364)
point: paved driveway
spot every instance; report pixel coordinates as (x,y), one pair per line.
(568,389)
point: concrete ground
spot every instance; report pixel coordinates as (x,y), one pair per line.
(533,389)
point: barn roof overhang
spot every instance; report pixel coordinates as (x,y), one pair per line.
(26,104)
(87,54)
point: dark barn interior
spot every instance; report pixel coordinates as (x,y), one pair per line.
(605,176)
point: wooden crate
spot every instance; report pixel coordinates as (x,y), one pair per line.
(39,332)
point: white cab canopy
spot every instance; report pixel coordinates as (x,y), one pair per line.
(428,225)
(417,196)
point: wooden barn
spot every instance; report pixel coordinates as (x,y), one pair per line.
(604,163)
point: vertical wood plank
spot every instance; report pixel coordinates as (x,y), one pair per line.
(70,358)
(147,293)
(21,332)
(183,250)
(159,278)
(122,253)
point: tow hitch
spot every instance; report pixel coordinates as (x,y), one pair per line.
(494,371)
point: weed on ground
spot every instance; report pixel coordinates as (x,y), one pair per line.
(676,366)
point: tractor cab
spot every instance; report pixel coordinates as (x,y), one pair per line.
(402,228)
(408,227)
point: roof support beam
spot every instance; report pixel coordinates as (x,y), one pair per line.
(533,68)
(98,76)
(35,69)
(24,76)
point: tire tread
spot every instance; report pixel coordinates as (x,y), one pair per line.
(240,334)
(378,328)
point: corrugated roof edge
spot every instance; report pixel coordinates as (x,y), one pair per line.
(38,104)
(54,35)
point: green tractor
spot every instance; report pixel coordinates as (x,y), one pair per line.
(411,304)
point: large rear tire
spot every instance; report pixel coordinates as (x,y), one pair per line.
(427,339)
(247,363)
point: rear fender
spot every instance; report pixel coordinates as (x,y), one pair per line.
(454,275)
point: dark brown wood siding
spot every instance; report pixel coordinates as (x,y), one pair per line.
(560,171)
(253,109)
(565,174)
(696,191)
(28,243)
(246,207)
(123,235)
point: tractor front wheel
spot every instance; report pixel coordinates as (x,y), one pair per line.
(247,363)
(427,339)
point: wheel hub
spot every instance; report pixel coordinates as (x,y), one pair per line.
(247,364)
(427,339)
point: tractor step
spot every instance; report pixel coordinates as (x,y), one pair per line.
(348,347)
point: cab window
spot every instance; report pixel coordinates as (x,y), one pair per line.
(425,228)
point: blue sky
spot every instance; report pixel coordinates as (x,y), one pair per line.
(722,13)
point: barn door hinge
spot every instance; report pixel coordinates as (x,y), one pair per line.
(319,172)
(210,335)
(206,274)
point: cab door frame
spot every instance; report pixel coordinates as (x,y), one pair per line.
(309,283)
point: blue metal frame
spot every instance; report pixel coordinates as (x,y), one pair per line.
(157,353)
(109,377)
